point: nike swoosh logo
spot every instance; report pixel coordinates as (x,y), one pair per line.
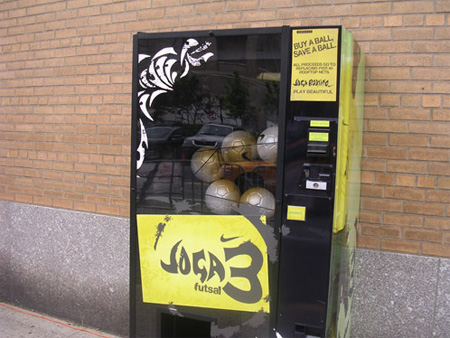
(223,239)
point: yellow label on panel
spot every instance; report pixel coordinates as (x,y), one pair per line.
(295,213)
(314,64)
(318,137)
(203,261)
(319,123)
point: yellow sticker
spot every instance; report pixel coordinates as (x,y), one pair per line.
(318,137)
(314,64)
(203,261)
(295,213)
(319,123)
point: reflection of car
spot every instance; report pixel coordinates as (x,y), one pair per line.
(164,141)
(210,135)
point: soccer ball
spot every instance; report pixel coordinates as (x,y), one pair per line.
(222,196)
(239,146)
(262,199)
(206,164)
(267,144)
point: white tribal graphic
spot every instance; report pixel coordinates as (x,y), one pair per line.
(160,76)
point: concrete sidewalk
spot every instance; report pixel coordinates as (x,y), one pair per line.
(18,323)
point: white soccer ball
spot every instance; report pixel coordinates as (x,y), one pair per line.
(222,196)
(262,199)
(267,144)
(206,164)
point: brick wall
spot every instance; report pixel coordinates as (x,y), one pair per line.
(65,113)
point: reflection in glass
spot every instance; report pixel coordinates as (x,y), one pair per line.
(208,121)
(213,116)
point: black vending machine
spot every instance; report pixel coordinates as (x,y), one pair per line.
(246,148)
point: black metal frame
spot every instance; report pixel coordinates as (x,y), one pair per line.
(300,111)
(286,109)
(134,259)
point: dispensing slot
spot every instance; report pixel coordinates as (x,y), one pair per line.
(318,142)
(316,176)
(303,331)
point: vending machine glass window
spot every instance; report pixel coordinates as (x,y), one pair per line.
(206,119)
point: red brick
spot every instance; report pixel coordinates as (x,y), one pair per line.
(406,167)
(390,73)
(376,113)
(418,87)
(443,183)
(408,140)
(400,246)
(394,47)
(110,210)
(390,100)
(431,101)
(41,200)
(374,139)
(441,169)
(258,15)
(63,203)
(387,153)
(84,206)
(414,20)
(372,34)
(393,20)
(368,242)
(403,220)
(447,238)
(371,9)
(404,193)
(412,60)
(426,182)
(381,204)
(367,177)
(441,60)
(388,126)
(410,114)
(384,179)
(354,22)
(369,217)
(438,196)
(377,61)
(371,191)
(442,87)
(424,154)
(407,7)
(437,223)
(436,250)
(422,235)
(295,13)
(427,73)
(413,34)
(431,209)
(432,46)
(405,180)
(441,115)
(380,231)
(429,128)
(435,19)
(373,165)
